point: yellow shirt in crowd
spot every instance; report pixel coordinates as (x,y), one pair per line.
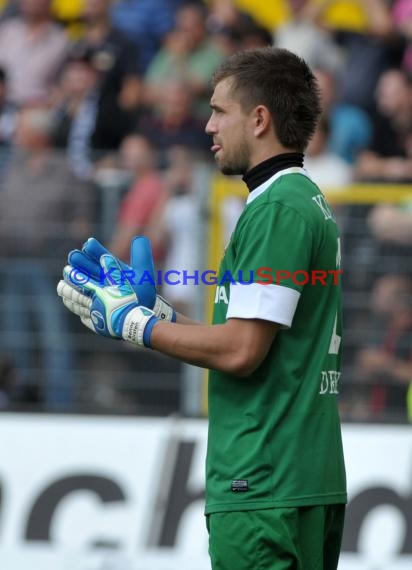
(339,14)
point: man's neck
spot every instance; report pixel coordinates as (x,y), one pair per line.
(266,169)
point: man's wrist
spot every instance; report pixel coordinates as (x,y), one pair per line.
(164,310)
(138,326)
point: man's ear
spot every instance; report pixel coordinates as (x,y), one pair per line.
(262,120)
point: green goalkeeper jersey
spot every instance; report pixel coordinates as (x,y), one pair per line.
(274,436)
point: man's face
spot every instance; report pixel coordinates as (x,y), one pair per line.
(33,9)
(78,78)
(392,93)
(96,9)
(228,125)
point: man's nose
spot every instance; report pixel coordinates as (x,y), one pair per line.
(210,127)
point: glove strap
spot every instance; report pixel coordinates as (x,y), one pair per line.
(164,310)
(138,325)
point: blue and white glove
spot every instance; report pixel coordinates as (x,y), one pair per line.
(140,273)
(109,310)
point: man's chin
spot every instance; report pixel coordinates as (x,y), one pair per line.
(229,170)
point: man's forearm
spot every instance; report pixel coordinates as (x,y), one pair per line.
(183,320)
(206,346)
(236,347)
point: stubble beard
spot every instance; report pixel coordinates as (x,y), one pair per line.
(239,160)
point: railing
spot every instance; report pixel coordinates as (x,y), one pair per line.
(50,362)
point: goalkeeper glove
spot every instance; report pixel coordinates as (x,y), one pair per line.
(140,273)
(109,310)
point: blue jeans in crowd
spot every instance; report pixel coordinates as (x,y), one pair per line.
(34,322)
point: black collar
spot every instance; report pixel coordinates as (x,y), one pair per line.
(266,169)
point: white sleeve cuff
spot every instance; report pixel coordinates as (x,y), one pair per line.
(274,303)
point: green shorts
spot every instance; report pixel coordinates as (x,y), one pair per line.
(303,538)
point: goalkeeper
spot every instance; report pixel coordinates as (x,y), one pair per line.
(275,475)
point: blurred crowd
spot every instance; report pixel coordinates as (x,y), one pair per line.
(103,105)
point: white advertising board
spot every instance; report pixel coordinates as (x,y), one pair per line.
(92,493)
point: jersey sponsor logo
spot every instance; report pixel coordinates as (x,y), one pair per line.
(240,485)
(221,295)
(329,383)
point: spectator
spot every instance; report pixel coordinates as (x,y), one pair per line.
(387,365)
(391,229)
(350,126)
(391,224)
(7,124)
(7,112)
(226,14)
(147,190)
(32,48)
(7,8)
(402,17)
(173,123)
(175,224)
(302,34)
(326,168)
(145,22)
(43,212)
(76,110)
(231,41)
(69,13)
(255,36)
(43,206)
(116,60)
(188,55)
(389,157)
(369,48)
(229,26)
(267,14)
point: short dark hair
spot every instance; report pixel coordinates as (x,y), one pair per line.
(281,81)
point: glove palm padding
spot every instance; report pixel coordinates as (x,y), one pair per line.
(140,273)
(110,310)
